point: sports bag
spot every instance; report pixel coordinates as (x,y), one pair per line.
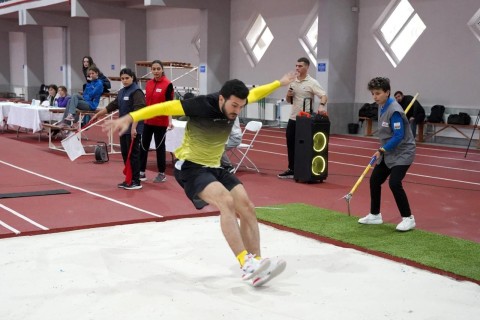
(461,118)
(436,114)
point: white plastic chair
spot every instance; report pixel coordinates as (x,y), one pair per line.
(241,151)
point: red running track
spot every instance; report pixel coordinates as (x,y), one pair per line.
(443,187)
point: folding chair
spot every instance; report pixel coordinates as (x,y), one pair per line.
(241,151)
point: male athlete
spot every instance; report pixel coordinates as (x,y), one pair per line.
(198,169)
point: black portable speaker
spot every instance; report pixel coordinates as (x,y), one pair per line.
(311,148)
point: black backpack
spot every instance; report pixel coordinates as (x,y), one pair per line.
(106,83)
(436,114)
(369,110)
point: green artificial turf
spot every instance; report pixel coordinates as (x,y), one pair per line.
(454,255)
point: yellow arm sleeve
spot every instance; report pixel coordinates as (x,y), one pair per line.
(167,108)
(258,93)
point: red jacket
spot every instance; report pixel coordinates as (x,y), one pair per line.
(156,92)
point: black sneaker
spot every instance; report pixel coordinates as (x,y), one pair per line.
(122,185)
(133,186)
(286,175)
(143,177)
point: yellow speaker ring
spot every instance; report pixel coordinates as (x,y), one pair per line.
(319,141)
(318,165)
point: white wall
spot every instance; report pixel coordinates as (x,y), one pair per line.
(169,38)
(54,55)
(105,46)
(17,59)
(443,65)
(285,20)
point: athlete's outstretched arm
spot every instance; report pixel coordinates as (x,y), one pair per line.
(168,108)
(266,89)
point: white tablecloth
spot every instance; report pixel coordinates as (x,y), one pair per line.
(4,109)
(31,117)
(174,137)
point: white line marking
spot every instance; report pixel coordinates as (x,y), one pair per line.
(416,174)
(38,225)
(83,190)
(9,227)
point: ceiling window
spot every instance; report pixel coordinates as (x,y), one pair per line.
(258,39)
(196,43)
(474,24)
(309,39)
(399,30)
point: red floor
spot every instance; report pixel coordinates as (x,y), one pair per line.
(442,186)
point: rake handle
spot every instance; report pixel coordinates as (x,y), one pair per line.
(411,103)
(370,164)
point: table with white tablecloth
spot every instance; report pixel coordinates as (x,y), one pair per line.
(174,137)
(31,117)
(5,109)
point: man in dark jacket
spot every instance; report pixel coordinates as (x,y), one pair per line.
(416,114)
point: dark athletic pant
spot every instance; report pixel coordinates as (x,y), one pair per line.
(290,134)
(379,175)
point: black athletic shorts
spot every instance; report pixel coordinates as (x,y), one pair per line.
(195,177)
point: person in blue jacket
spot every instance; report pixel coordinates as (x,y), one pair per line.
(394,157)
(87,101)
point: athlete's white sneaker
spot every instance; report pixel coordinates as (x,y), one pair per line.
(253,266)
(277,266)
(407,223)
(371,219)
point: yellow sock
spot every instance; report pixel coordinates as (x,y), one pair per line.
(241,257)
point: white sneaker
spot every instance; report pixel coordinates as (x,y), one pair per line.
(253,266)
(407,223)
(371,219)
(277,266)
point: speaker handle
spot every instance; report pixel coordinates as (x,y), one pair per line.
(305,103)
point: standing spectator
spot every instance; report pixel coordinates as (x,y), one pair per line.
(394,157)
(234,139)
(88,101)
(63,97)
(129,99)
(159,89)
(87,62)
(416,114)
(303,87)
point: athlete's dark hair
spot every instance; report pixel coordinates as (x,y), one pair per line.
(236,88)
(398,92)
(129,72)
(379,83)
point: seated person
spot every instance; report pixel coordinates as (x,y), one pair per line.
(234,140)
(52,95)
(415,115)
(88,101)
(63,97)
(87,62)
